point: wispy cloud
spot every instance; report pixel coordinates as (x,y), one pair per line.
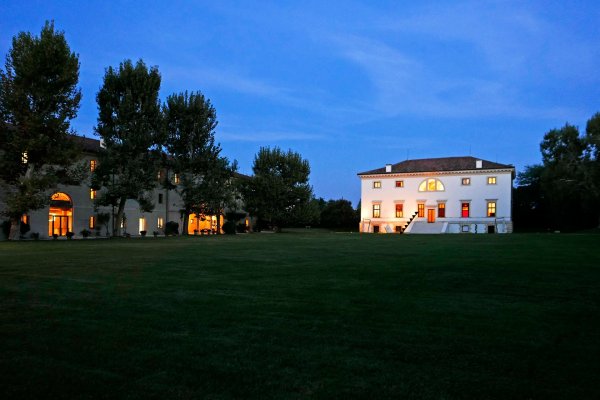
(267,136)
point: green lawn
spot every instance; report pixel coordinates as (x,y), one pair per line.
(302,315)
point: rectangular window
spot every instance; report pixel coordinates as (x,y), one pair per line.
(375,228)
(24,157)
(92,194)
(25,219)
(376,210)
(441,210)
(491,209)
(491,180)
(399,210)
(465,210)
(92,222)
(92,165)
(421,210)
(399,184)
(398,229)
(376,184)
(160,223)
(142,224)
(466,181)
(160,198)
(176,179)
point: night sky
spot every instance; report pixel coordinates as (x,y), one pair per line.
(350,85)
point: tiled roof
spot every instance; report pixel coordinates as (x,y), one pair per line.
(87,144)
(438,165)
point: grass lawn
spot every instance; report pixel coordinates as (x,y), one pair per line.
(302,315)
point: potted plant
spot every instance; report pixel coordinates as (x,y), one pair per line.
(70,235)
(143,233)
(85,233)
(155,233)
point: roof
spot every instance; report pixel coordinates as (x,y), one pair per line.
(438,165)
(87,144)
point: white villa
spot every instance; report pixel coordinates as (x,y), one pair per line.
(438,195)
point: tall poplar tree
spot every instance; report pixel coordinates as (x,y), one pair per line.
(130,126)
(38,99)
(205,176)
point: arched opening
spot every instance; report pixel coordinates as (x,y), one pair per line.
(431,185)
(60,216)
(203,224)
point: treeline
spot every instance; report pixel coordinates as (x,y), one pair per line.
(563,192)
(146,143)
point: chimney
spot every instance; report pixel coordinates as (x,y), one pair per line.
(388,167)
(478,164)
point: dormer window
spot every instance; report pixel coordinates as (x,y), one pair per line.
(431,185)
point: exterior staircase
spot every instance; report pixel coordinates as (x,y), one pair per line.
(409,221)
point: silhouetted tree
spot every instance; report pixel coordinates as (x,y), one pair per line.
(38,99)
(130,126)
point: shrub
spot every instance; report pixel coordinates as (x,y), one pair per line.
(55,236)
(35,235)
(70,235)
(24,228)
(155,233)
(171,228)
(143,233)
(85,233)
(229,228)
(241,227)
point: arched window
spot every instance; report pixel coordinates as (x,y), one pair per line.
(431,185)
(60,219)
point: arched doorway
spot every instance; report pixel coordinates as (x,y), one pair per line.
(60,216)
(202,224)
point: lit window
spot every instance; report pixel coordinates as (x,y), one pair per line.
(441,210)
(92,194)
(160,223)
(491,180)
(142,224)
(24,157)
(421,210)
(376,184)
(160,198)
(159,176)
(465,210)
(491,209)
(93,164)
(376,210)
(466,181)
(431,185)
(25,219)
(92,222)
(399,184)
(399,210)
(176,179)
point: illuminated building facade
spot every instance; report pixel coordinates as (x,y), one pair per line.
(438,195)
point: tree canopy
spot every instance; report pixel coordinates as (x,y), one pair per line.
(130,126)
(279,190)
(564,191)
(205,185)
(39,97)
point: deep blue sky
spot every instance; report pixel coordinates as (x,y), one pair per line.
(350,85)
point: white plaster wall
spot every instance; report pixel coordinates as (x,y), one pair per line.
(477,193)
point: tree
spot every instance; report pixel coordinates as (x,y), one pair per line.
(339,214)
(592,160)
(38,99)
(130,126)
(279,187)
(206,185)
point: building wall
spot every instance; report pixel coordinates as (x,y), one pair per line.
(169,209)
(478,193)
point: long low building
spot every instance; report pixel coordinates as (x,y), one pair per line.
(438,195)
(71,209)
